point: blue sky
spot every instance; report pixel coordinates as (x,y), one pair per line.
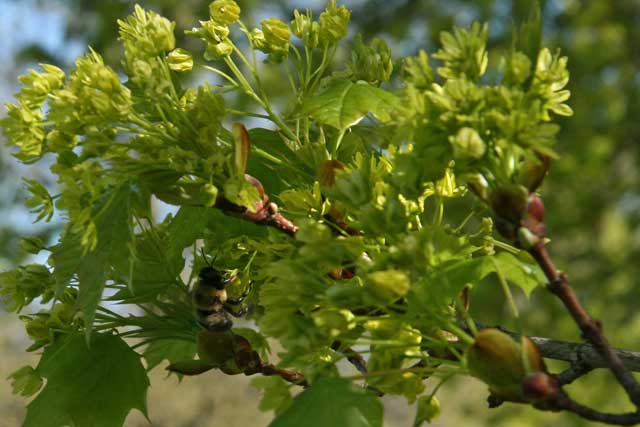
(27,21)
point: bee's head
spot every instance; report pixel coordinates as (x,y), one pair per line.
(212,277)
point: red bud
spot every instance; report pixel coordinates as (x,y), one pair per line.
(535,207)
(540,386)
(327,172)
(509,202)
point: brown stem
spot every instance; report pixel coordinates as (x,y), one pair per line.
(293,377)
(591,329)
(266,212)
(563,402)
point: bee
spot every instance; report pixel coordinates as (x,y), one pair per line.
(213,307)
(218,346)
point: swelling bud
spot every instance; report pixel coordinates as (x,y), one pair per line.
(535,208)
(533,172)
(540,386)
(32,245)
(503,363)
(509,202)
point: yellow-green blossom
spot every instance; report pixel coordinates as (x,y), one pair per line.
(226,12)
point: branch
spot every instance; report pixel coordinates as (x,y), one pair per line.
(582,356)
(267,369)
(559,285)
(563,403)
(266,212)
(572,373)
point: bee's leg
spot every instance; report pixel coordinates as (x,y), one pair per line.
(190,367)
(293,377)
(236,301)
(246,358)
(353,357)
(238,313)
(250,362)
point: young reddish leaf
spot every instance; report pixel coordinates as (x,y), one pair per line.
(93,386)
(243,147)
(327,172)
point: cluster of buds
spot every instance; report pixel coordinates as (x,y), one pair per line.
(94,94)
(334,321)
(519,211)
(43,326)
(180,60)
(333,23)
(327,31)
(372,63)
(273,39)
(146,34)
(26,381)
(225,12)
(37,86)
(519,215)
(215,31)
(467,144)
(19,287)
(306,29)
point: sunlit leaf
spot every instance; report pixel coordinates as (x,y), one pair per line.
(344,103)
(332,402)
(93,386)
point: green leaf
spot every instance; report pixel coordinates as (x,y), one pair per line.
(332,402)
(25,381)
(112,216)
(428,410)
(344,103)
(529,35)
(471,270)
(276,394)
(91,277)
(187,226)
(526,276)
(225,227)
(170,349)
(271,142)
(272,161)
(66,257)
(153,266)
(93,386)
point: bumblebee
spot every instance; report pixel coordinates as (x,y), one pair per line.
(218,347)
(213,307)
